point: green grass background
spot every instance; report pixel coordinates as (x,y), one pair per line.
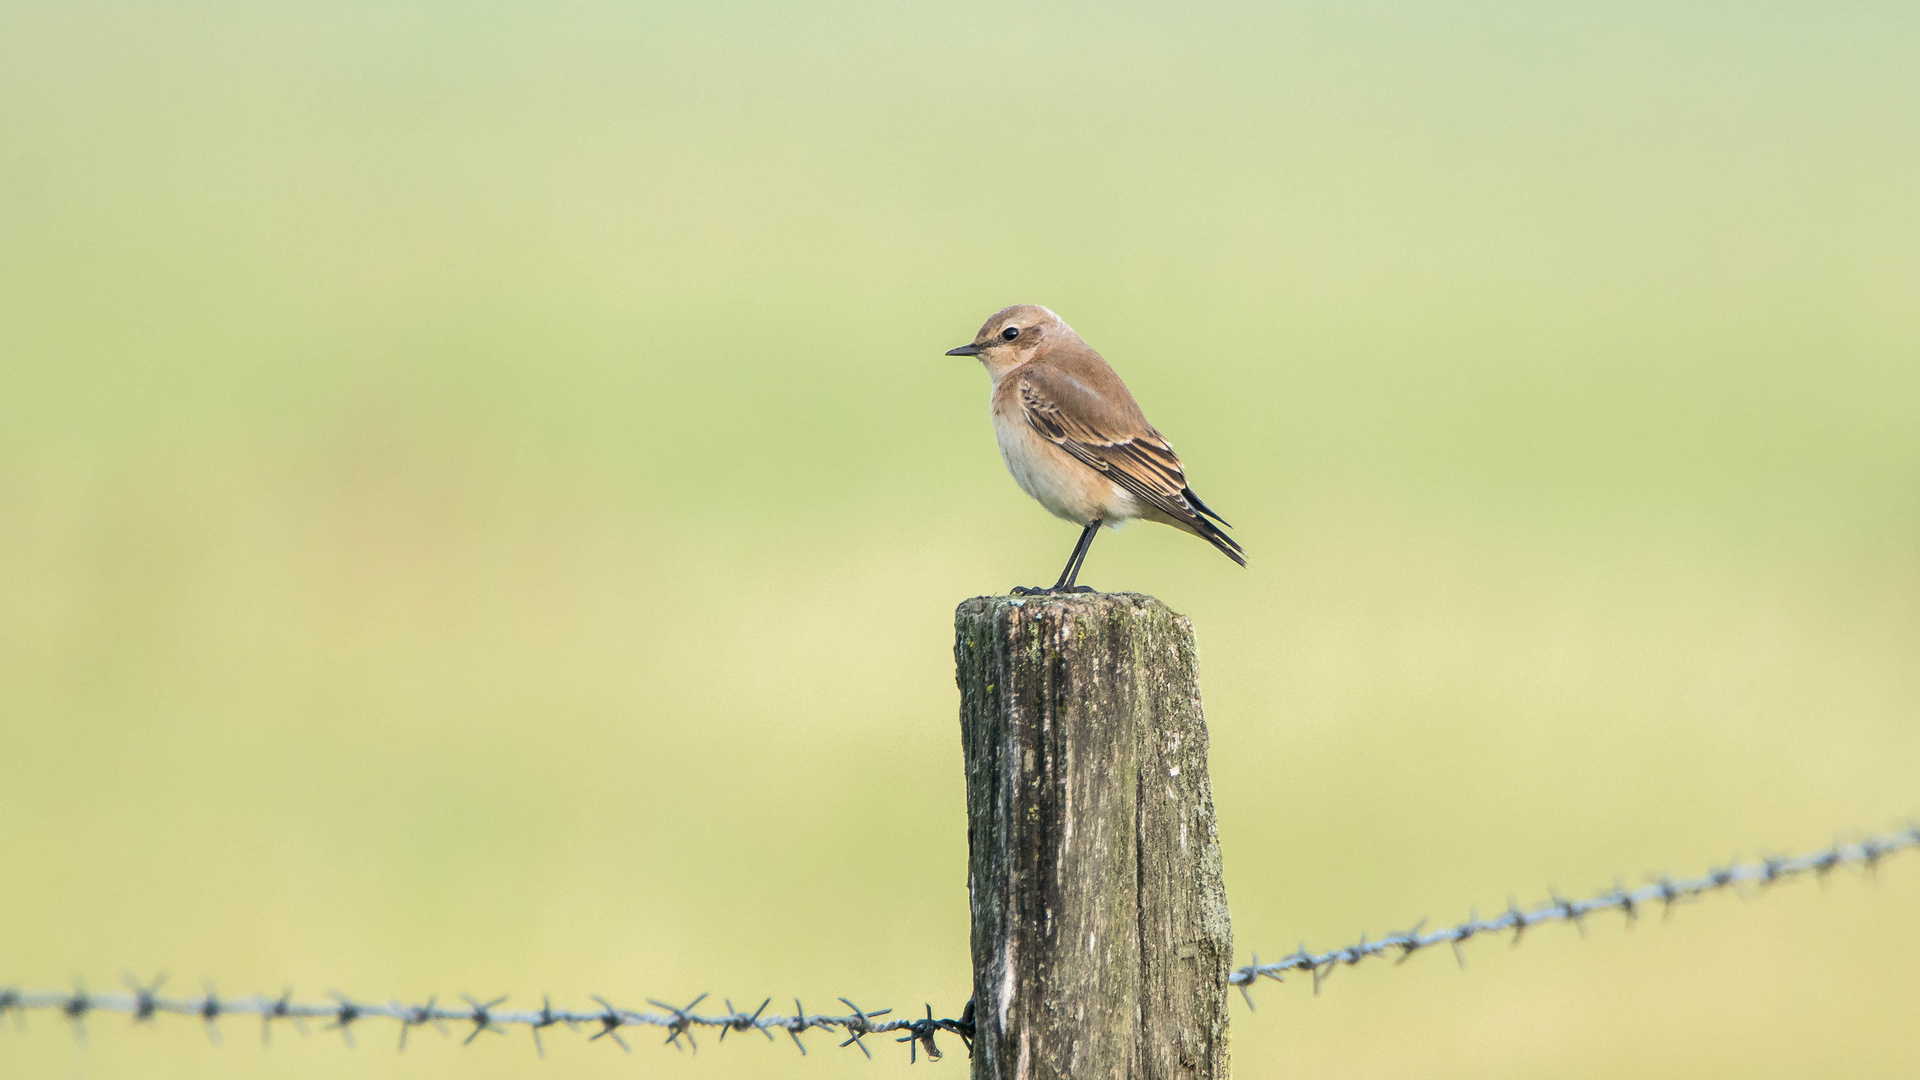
(481,503)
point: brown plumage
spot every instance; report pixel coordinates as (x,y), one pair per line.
(1074,438)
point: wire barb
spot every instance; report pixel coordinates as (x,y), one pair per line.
(610,1021)
(414,1017)
(145,995)
(482,1018)
(76,1007)
(682,1022)
(344,1018)
(209,1013)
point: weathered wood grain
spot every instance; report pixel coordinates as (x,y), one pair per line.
(1101,941)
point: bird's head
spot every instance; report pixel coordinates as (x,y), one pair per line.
(1011,337)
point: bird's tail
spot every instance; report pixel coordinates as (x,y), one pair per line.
(1210,532)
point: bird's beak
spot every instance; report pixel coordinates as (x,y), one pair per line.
(966,350)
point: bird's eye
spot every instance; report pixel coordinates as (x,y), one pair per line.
(1010,333)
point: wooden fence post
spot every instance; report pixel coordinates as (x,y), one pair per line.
(1100,934)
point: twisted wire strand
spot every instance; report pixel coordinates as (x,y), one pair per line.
(1665,891)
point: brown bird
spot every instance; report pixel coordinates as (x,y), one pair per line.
(1074,439)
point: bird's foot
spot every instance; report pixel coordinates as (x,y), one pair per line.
(1043,590)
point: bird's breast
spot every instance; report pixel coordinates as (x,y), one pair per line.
(1068,487)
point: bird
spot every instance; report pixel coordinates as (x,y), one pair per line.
(1076,441)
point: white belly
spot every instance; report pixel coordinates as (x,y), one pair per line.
(1067,487)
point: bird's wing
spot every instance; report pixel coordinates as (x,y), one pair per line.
(1135,456)
(1127,449)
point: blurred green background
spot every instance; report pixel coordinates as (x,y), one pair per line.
(482,503)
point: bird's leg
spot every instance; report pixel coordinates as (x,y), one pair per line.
(1079,558)
(1072,571)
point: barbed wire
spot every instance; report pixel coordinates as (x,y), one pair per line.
(144,1001)
(1664,890)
